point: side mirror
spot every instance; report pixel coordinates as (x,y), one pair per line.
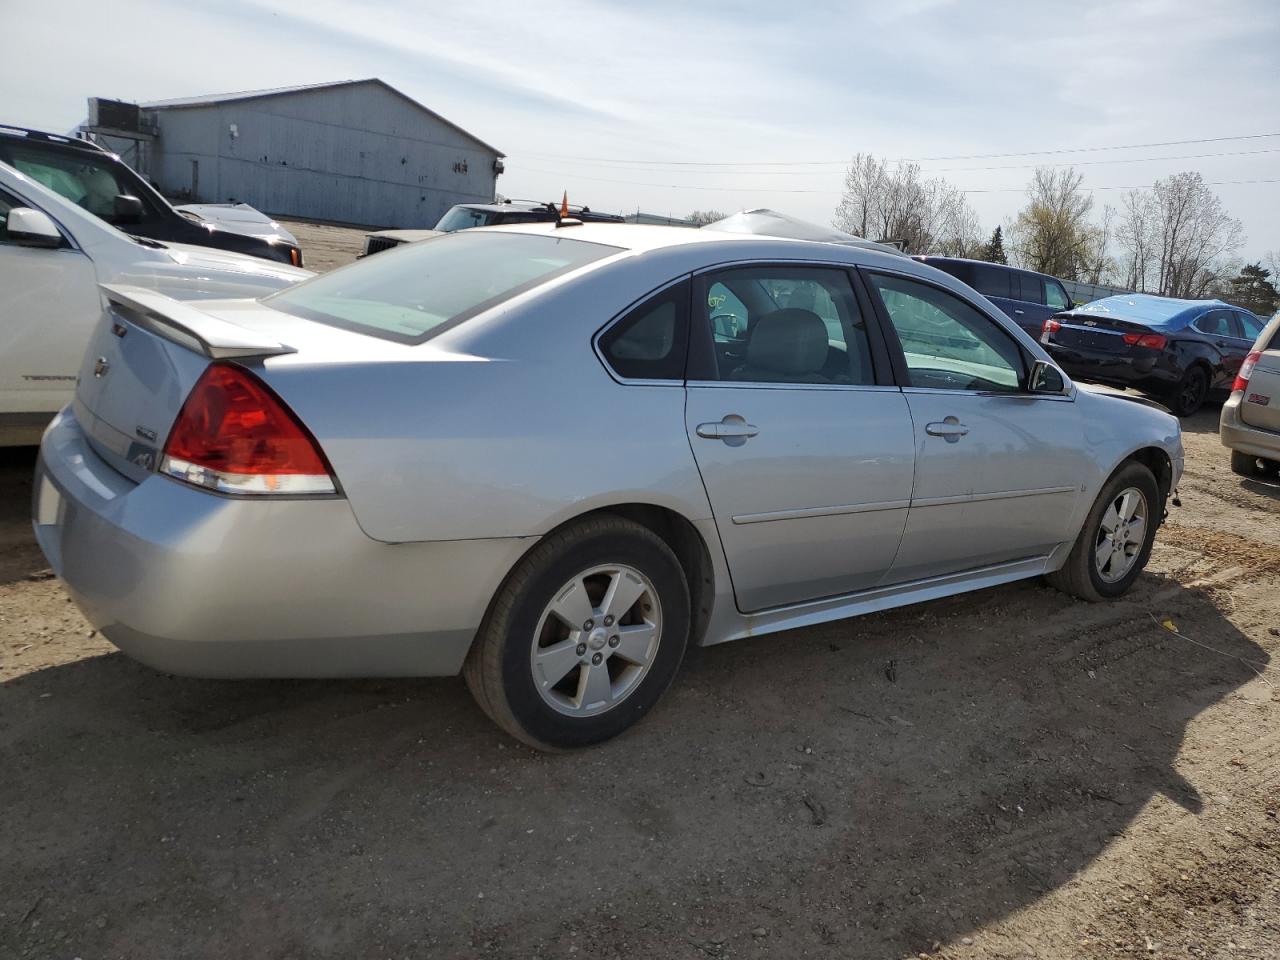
(1046,378)
(127,209)
(32,228)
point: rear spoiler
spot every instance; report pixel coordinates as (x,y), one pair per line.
(183,323)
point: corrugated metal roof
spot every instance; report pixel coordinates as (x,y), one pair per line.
(216,98)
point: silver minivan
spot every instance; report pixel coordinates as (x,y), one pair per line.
(1250,424)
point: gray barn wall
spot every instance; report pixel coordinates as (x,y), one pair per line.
(357,154)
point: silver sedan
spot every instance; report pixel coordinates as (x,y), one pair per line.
(549,457)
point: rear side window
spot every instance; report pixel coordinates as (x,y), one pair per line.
(1252,326)
(416,290)
(991,281)
(650,342)
(1215,323)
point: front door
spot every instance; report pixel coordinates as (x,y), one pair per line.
(807,459)
(998,470)
(49,302)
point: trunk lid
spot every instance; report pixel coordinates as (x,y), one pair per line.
(1096,333)
(149,350)
(142,361)
(1260,406)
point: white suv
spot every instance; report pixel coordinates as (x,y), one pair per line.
(53,256)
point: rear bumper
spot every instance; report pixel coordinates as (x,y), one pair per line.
(1137,372)
(1244,438)
(198,584)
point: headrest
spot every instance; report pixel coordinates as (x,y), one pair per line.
(789,341)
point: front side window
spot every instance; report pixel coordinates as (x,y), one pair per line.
(7,203)
(1029,288)
(650,342)
(1251,325)
(948,344)
(415,290)
(781,324)
(1054,296)
(91,181)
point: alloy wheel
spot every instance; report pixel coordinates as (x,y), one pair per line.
(1121,535)
(596,640)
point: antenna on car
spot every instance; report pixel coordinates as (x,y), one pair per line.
(564,219)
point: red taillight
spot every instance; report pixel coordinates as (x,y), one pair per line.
(1051,326)
(1155,341)
(234,435)
(1246,371)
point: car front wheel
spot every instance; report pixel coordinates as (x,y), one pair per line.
(584,636)
(1115,542)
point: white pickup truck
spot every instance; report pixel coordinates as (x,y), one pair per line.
(53,256)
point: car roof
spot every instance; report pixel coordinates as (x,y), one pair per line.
(1151,310)
(931,259)
(54,140)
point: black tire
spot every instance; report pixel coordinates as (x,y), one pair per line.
(1247,465)
(1191,392)
(1079,576)
(498,670)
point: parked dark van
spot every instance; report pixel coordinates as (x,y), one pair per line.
(1028,298)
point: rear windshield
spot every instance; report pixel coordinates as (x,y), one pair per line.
(417,290)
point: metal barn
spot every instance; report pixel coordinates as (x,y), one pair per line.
(353,151)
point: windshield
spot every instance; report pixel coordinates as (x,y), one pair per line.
(463,218)
(416,290)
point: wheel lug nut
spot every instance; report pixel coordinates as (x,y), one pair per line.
(589,625)
(581,649)
(614,641)
(597,659)
(608,621)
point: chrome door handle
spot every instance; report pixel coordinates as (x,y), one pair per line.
(1019,312)
(951,429)
(732,429)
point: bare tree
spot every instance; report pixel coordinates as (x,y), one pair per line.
(898,204)
(1052,233)
(1177,238)
(700,217)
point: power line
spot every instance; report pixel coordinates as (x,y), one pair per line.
(685,186)
(1017,166)
(826,163)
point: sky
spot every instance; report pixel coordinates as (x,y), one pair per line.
(670,106)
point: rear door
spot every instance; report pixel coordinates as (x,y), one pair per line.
(998,469)
(803,443)
(1223,331)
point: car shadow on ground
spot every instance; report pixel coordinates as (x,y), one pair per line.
(871,787)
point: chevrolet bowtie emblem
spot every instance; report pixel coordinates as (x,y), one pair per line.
(100,367)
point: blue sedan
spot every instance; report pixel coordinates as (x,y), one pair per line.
(1181,351)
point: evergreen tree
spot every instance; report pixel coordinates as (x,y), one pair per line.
(994,250)
(1252,289)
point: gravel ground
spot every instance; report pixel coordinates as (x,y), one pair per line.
(1004,774)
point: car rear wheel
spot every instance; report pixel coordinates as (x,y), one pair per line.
(1250,466)
(1115,541)
(1190,394)
(584,637)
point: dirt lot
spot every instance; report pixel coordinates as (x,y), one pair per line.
(1006,774)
